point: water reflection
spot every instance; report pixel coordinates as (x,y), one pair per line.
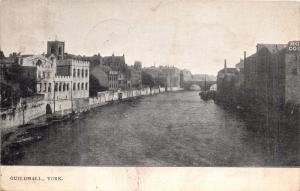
(172,129)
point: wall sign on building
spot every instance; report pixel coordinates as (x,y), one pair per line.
(294,46)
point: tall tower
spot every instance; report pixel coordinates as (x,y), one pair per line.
(57,48)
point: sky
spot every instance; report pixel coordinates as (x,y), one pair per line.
(192,34)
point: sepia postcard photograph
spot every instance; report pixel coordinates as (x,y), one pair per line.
(149,90)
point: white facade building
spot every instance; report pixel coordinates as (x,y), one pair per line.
(63,82)
(77,72)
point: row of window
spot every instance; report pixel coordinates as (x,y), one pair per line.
(61,87)
(44,66)
(112,77)
(296,57)
(80,87)
(45,88)
(80,73)
(113,85)
(43,74)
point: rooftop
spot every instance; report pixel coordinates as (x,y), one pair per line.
(273,48)
(228,70)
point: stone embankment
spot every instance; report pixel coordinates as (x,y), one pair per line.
(34,109)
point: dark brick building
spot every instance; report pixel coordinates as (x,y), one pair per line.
(272,77)
(227,85)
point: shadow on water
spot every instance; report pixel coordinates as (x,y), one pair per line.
(278,133)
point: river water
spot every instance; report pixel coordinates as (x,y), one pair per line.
(170,129)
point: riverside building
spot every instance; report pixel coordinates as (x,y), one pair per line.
(38,72)
(227,80)
(71,82)
(272,76)
(72,75)
(119,75)
(62,81)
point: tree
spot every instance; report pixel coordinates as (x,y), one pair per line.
(2,54)
(147,79)
(95,86)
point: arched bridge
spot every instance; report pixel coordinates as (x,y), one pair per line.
(203,85)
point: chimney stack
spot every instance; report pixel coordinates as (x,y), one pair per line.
(244,58)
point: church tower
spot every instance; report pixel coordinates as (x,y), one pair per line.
(57,48)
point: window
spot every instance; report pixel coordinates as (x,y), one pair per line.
(52,50)
(45,87)
(59,51)
(64,87)
(295,57)
(86,73)
(86,86)
(38,87)
(74,86)
(74,72)
(82,72)
(59,87)
(49,87)
(78,86)
(39,63)
(55,87)
(67,86)
(82,86)
(78,73)
(295,71)
(3,116)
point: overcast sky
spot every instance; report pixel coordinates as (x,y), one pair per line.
(193,34)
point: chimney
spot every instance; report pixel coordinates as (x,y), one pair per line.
(244,58)
(225,65)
